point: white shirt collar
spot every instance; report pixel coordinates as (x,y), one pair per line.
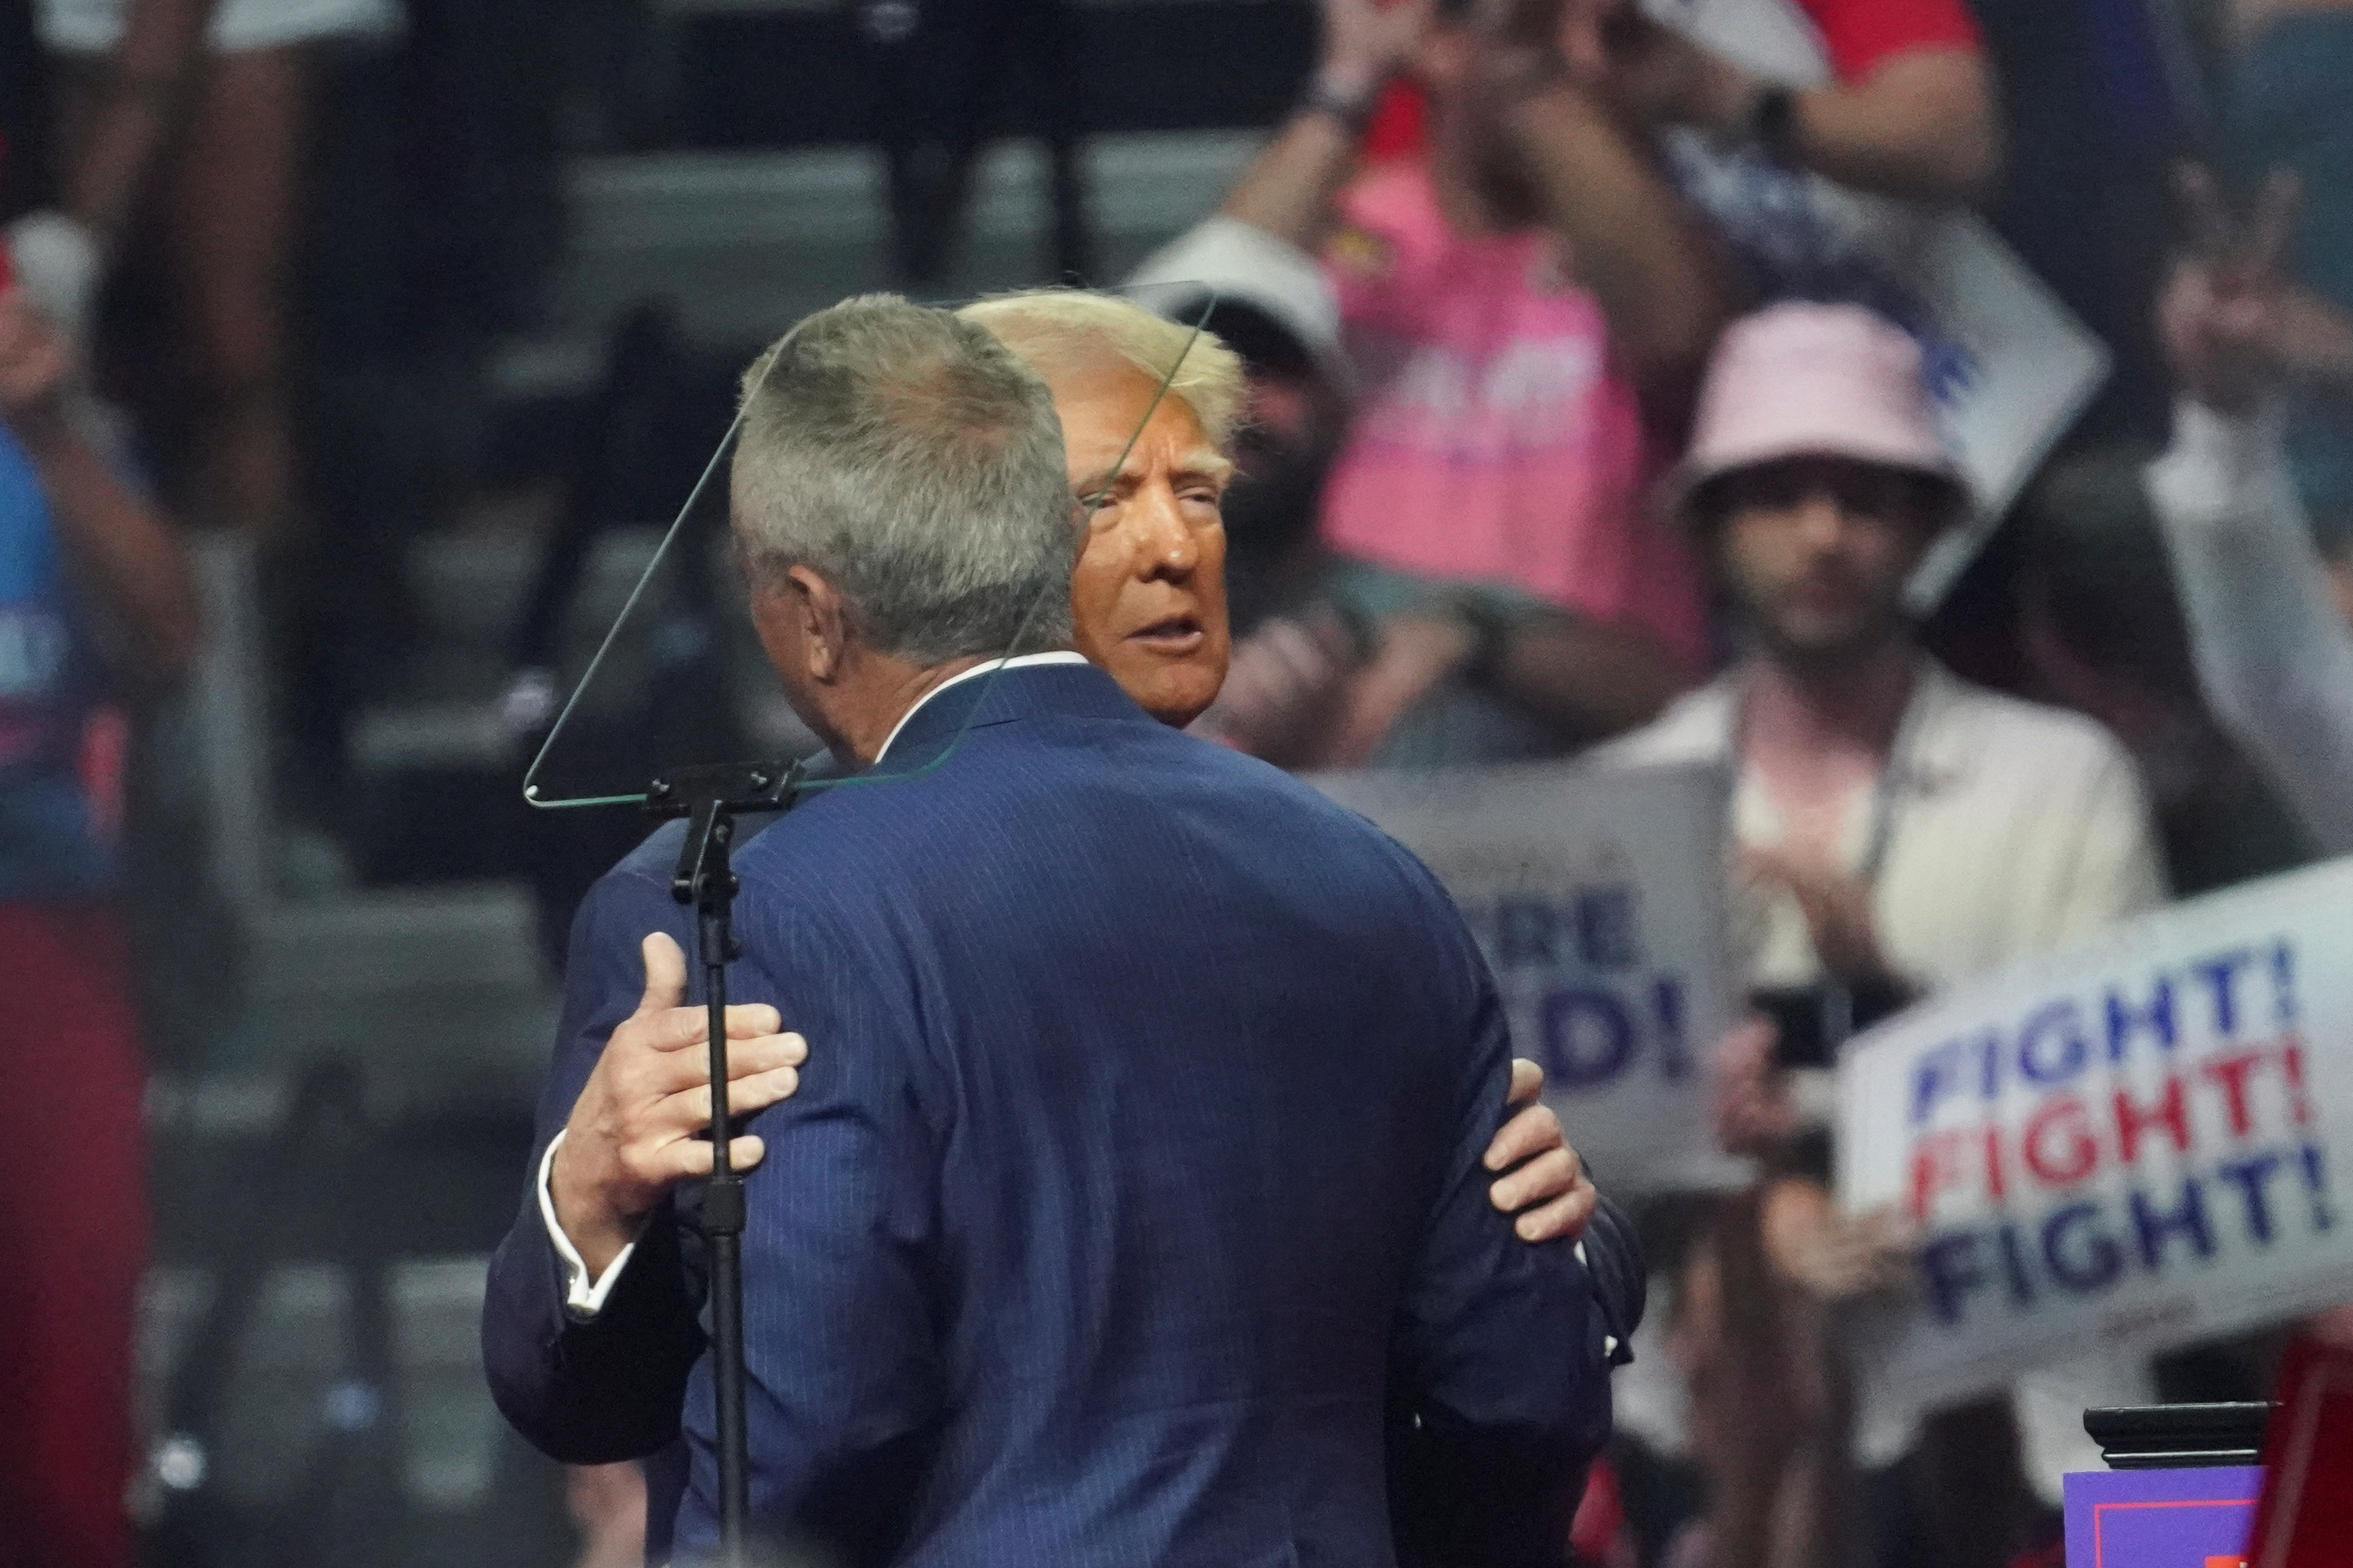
(1019,661)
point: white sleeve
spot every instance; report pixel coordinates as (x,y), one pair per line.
(1609,1341)
(2275,657)
(583,1298)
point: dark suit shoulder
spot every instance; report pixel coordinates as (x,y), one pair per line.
(1009,771)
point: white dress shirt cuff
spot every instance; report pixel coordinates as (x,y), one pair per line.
(583,1298)
(1609,1341)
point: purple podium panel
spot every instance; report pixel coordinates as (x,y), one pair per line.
(2161,1519)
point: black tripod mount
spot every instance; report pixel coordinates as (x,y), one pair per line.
(711,798)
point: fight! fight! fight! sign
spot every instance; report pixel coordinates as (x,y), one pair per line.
(2131,1146)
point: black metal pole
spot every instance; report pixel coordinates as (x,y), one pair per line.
(709,798)
(723,1224)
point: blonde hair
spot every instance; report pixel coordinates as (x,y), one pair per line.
(1056,329)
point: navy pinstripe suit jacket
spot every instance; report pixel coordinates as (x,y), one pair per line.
(1130,1211)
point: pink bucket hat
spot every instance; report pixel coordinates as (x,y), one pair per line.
(1804,380)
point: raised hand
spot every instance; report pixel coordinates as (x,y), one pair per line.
(633,1132)
(2221,314)
(1584,34)
(36,361)
(1610,49)
(1365,42)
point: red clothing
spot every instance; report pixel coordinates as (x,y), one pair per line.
(73,1235)
(1401,125)
(1857,35)
(1601,1533)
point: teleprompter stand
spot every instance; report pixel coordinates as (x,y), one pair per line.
(710,798)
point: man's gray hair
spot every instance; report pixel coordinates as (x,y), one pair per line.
(911,460)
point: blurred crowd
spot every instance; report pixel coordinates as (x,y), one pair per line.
(1595,418)
(1598,417)
(1594,376)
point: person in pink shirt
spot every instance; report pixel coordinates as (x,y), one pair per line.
(1525,306)
(1499,437)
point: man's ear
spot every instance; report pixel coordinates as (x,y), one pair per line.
(824,622)
(801,623)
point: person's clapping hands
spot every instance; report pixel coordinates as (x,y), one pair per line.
(1836,908)
(1418,651)
(1832,1255)
(1283,687)
(1543,1183)
(1748,1100)
(37,362)
(635,1131)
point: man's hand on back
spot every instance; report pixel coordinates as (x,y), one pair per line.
(632,1135)
(1544,1182)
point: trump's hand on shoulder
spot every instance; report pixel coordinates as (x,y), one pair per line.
(633,1132)
(1543,1182)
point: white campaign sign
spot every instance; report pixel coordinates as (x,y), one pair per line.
(1597,895)
(2125,1147)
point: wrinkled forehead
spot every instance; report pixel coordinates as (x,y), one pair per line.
(1112,410)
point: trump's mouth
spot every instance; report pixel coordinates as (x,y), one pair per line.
(1171,634)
